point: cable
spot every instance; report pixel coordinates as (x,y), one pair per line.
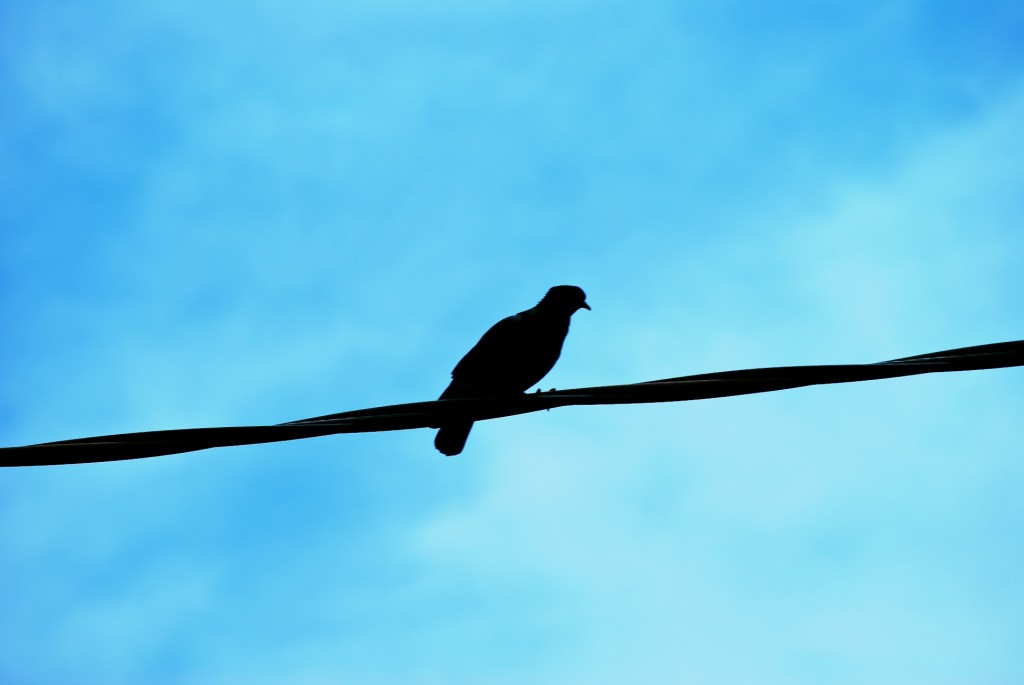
(432,414)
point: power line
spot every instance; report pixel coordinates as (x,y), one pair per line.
(432,414)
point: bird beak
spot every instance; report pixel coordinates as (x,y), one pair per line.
(585,306)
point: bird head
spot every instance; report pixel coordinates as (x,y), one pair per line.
(565,298)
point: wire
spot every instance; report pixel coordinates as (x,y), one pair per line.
(432,414)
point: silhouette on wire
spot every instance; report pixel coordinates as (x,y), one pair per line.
(510,358)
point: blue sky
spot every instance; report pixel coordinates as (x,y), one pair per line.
(244,213)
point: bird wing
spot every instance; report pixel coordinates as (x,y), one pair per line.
(497,345)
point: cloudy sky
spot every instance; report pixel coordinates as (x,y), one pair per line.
(250,212)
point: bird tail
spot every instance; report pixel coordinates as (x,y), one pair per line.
(452,437)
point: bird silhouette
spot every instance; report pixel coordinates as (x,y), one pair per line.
(511,357)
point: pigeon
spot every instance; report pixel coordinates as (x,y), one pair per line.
(510,358)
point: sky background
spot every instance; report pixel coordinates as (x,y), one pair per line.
(251,212)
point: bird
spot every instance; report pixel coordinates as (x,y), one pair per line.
(512,356)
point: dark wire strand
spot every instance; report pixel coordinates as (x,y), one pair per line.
(431,414)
